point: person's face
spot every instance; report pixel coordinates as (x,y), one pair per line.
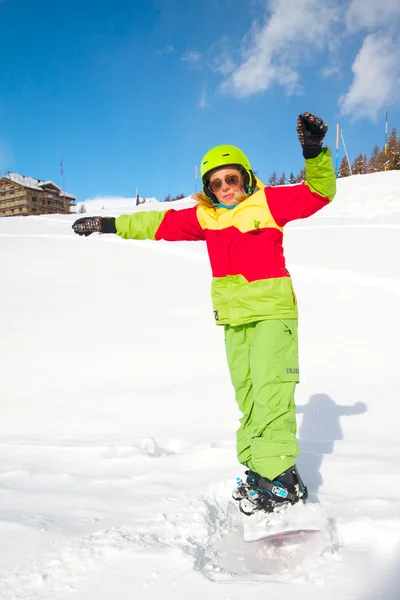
(225,184)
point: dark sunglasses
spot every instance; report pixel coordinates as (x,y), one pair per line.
(231,180)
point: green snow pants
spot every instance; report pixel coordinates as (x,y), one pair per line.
(264,367)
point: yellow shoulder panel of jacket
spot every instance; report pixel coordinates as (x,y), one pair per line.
(249,215)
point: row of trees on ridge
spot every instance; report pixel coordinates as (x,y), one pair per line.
(379,160)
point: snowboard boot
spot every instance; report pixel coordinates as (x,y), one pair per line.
(244,488)
(267,495)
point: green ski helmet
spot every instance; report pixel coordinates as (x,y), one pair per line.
(226,156)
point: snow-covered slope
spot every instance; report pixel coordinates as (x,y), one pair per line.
(117,445)
(357,196)
(113,204)
(374,196)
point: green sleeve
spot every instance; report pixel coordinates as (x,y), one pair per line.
(140,225)
(320,175)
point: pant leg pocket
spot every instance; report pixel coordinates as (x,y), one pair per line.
(287,371)
(286,365)
(274,353)
(290,326)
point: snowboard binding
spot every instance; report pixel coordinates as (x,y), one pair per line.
(259,493)
(243,489)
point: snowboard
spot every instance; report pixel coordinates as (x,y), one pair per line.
(270,554)
(287,537)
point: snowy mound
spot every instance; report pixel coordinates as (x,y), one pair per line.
(118,416)
(372,196)
(114,205)
(359,196)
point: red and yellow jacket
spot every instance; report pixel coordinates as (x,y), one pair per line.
(245,244)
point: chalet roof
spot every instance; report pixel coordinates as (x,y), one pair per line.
(34,184)
(28,182)
(46,183)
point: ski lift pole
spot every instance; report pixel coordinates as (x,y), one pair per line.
(337,150)
(345,151)
(386,134)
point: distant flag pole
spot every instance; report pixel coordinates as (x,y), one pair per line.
(345,151)
(337,150)
(386,135)
(195,178)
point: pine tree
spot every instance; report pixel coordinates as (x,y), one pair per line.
(359,166)
(374,163)
(381,160)
(82,209)
(273,178)
(282,179)
(344,170)
(393,151)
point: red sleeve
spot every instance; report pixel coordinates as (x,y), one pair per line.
(180,225)
(290,202)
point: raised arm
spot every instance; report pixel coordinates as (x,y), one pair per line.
(171,225)
(288,203)
(291,202)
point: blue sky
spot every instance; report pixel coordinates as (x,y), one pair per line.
(133,93)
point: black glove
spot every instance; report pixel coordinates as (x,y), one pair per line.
(87,225)
(311,131)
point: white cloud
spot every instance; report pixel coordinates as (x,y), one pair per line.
(296,33)
(192,57)
(224,64)
(220,56)
(203,100)
(167,50)
(273,51)
(371,13)
(376,82)
(333,69)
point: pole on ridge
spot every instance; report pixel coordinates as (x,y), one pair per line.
(337,150)
(345,151)
(386,135)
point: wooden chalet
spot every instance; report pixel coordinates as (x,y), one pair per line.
(21,195)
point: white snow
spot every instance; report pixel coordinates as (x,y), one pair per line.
(117,429)
(115,205)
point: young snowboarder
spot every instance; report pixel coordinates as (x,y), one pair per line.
(242,223)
